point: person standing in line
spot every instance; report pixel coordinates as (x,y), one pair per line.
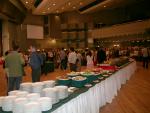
(35,61)
(79,58)
(89,58)
(14,62)
(72,58)
(62,58)
(145,54)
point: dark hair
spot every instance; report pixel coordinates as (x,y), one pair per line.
(72,49)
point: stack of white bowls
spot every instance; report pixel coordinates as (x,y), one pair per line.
(62,91)
(13,93)
(52,93)
(37,87)
(32,107)
(49,83)
(19,105)
(21,94)
(27,86)
(7,104)
(1,101)
(32,97)
(45,103)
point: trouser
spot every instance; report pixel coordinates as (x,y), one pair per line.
(62,66)
(14,83)
(145,62)
(36,73)
(73,67)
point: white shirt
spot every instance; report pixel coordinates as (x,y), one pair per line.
(72,57)
(145,52)
(89,60)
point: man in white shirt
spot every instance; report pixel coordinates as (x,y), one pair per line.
(72,58)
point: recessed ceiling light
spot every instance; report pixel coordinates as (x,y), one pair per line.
(27,2)
(81,3)
(104,6)
(74,7)
(57,11)
(54,4)
(48,8)
(69,3)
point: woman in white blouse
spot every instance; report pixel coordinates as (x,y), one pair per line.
(89,58)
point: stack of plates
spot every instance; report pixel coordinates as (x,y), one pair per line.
(1,101)
(62,91)
(7,104)
(48,84)
(33,96)
(37,87)
(19,104)
(22,94)
(26,87)
(32,107)
(45,103)
(52,93)
(13,93)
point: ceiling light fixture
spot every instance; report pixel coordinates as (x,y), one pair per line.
(104,6)
(48,8)
(81,3)
(74,7)
(69,3)
(57,11)
(54,4)
(27,2)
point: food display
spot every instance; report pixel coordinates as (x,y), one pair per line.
(63,80)
(87,73)
(79,78)
(78,81)
(73,73)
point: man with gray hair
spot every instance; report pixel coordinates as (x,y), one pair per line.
(35,62)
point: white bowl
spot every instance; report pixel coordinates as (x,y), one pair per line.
(49,83)
(32,107)
(7,104)
(33,97)
(52,93)
(1,100)
(19,105)
(22,94)
(45,103)
(27,86)
(37,87)
(11,93)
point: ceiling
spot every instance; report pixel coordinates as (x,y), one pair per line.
(45,7)
(54,6)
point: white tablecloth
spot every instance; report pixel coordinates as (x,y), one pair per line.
(100,94)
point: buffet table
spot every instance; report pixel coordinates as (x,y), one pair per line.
(90,100)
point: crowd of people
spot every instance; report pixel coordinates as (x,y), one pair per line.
(15,60)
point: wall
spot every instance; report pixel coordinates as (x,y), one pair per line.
(122,29)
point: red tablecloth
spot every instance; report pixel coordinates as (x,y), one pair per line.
(108,67)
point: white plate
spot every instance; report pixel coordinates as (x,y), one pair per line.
(88,85)
(105,75)
(96,81)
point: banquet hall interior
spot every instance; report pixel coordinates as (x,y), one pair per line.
(120,27)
